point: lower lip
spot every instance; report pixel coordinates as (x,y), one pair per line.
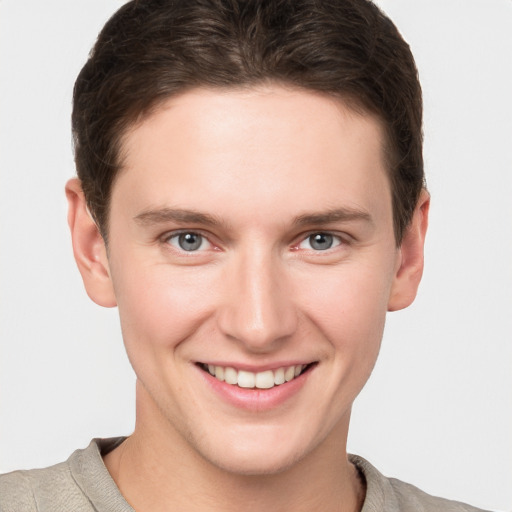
(256,399)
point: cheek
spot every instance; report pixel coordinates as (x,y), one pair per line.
(161,305)
(350,310)
(348,293)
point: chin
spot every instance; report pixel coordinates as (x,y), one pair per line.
(246,464)
(256,453)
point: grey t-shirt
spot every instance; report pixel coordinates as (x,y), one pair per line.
(83,484)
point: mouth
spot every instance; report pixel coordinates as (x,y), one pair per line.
(266,379)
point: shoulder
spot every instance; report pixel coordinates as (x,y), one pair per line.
(392,495)
(412,498)
(74,485)
(52,488)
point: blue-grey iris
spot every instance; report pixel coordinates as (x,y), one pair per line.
(321,241)
(190,241)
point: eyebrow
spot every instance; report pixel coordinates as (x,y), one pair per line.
(185,216)
(163,215)
(335,215)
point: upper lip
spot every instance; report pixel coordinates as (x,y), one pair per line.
(256,368)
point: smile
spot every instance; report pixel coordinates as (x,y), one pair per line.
(261,380)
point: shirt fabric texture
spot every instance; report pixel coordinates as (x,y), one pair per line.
(83,484)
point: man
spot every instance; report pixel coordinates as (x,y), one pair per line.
(250,194)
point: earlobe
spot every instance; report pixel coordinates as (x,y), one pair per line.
(410,268)
(88,247)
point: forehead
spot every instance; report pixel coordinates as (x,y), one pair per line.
(264,145)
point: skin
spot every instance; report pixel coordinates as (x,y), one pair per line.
(267,164)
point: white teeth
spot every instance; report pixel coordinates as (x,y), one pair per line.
(219,372)
(246,379)
(289,373)
(261,380)
(265,380)
(279,376)
(230,375)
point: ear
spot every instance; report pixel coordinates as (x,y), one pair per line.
(410,261)
(89,247)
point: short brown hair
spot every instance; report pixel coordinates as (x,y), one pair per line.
(153,49)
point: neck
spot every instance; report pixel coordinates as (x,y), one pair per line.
(156,470)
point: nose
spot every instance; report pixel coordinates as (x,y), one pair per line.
(258,311)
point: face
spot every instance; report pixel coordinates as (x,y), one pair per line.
(252,258)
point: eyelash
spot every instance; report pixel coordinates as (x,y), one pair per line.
(177,234)
(337,240)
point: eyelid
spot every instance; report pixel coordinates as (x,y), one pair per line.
(166,237)
(344,239)
(336,238)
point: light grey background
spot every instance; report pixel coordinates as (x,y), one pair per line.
(438,409)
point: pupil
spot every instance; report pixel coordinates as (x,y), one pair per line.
(321,241)
(190,241)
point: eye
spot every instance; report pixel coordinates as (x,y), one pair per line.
(320,242)
(188,241)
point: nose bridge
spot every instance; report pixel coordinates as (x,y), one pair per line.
(260,310)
